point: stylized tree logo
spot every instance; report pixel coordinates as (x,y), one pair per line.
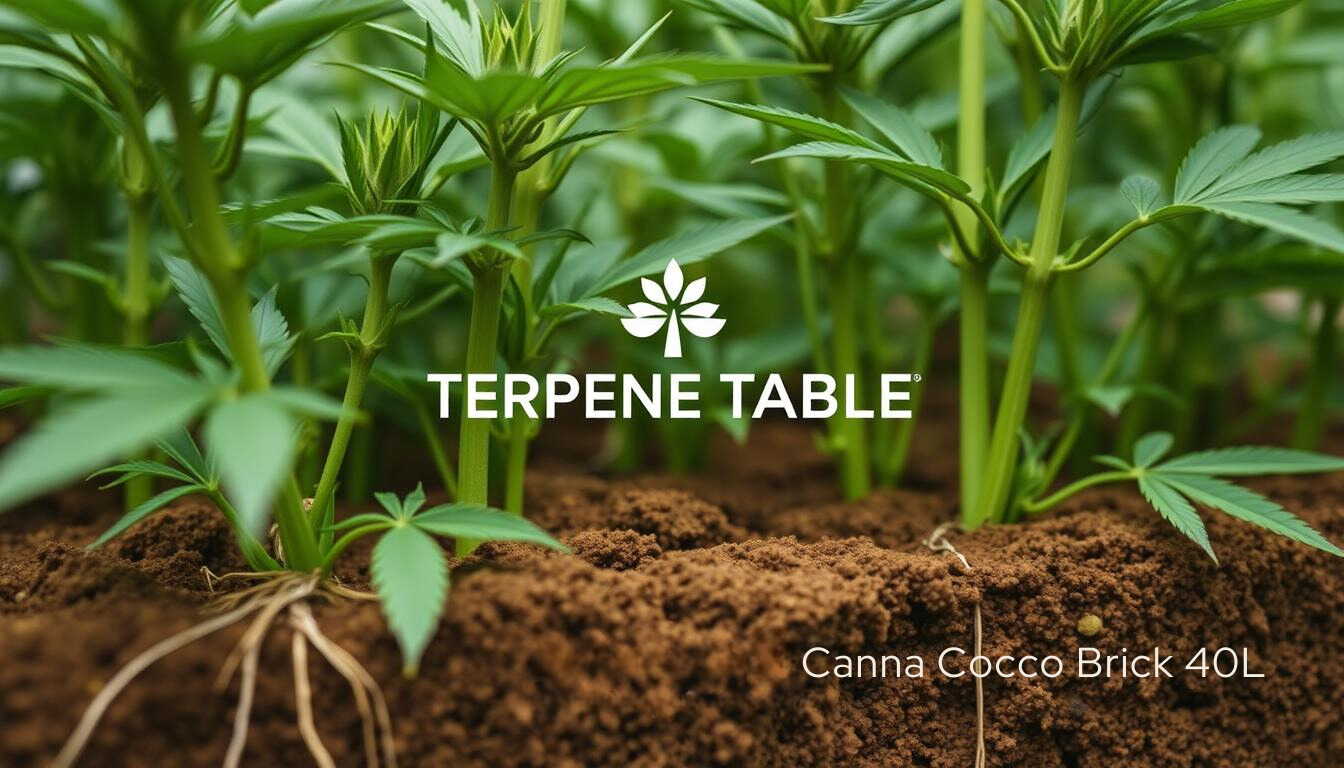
(668,299)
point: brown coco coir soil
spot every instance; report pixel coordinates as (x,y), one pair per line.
(674,635)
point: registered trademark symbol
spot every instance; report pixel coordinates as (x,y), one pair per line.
(916,378)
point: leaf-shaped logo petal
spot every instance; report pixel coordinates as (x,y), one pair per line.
(704,327)
(673,280)
(643,327)
(645,309)
(694,291)
(651,291)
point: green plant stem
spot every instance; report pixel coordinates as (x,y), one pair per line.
(993,499)
(1075,487)
(333,552)
(253,552)
(135,309)
(845,285)
(219,261)
(515,467)
(1310,423)
(31,273)
(363,353)
(532,188)
(905,432)
(473,460)
(1109,367)
(974,279)
(430,429)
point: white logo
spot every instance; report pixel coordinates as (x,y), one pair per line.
(668,299)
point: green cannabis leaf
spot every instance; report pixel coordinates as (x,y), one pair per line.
(410,569)
(1172,487)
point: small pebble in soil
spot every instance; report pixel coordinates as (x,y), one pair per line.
(1089,625)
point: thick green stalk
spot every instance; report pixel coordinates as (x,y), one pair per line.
(845,286)
(1311,417)
(852,433)
(532,189)
(974,282)
(515,467)
(473,459)
(221,265)
(362,356)
(1012,412)
(135,309)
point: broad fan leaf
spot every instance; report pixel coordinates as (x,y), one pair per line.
(1211,157)
(1249,506)
(1172,486)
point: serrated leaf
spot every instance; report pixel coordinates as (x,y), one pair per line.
(141,468)
(410,574)
(898,126)
(879,11)
(1253,461)
(1281,219)
(480,523)
(1247,505)
(1211,157)
(1281,159)
(82,437)
(1173,506)
(253,441)
(145,509)
(1296,189)
(272,332)
(596,304)
(1151,447)
(883,160)
(687,248)
(1143,193)
(808,126)
(196,294)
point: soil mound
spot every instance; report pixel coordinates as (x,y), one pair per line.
(675,636)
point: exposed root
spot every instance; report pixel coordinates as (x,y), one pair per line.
(376,719)
(303,704)
(264,603)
